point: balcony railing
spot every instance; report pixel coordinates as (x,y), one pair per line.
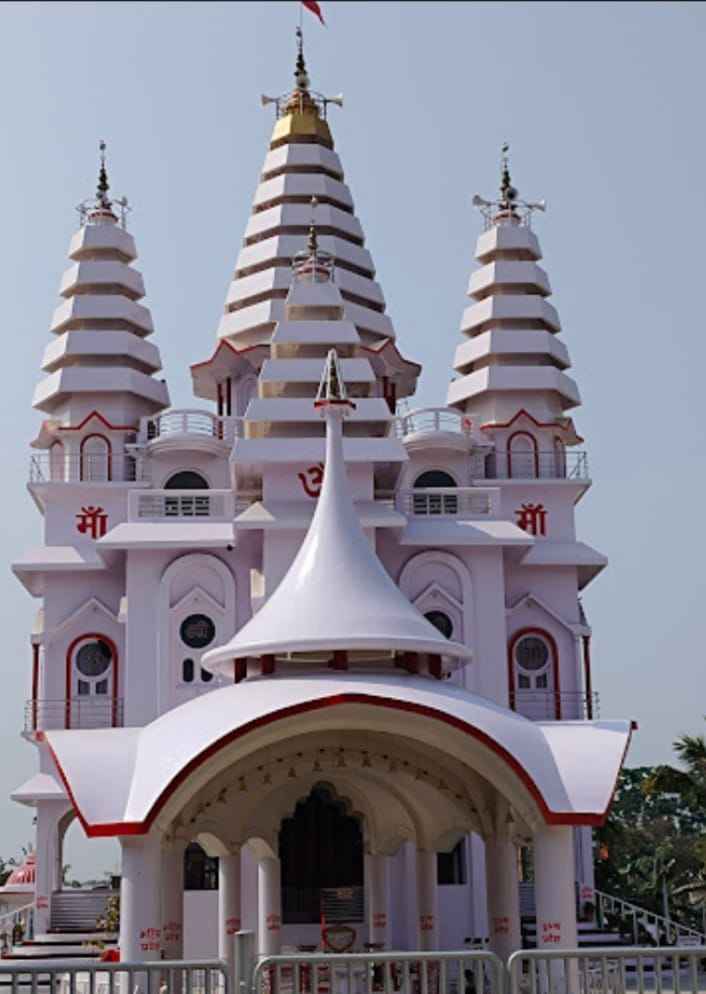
(202,424)
(74,712)
(568,465)
(182,505)
(432,419)
(53,467)
(551,705)
(448,502)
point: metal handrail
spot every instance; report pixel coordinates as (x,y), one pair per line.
(437,971)
(12,915)
(603,970)
(73,712)
(66,976)
(74,467)
(189,421)
(641,916)
(587,704)
(431,419)
(570,464)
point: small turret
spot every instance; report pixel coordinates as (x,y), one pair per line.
(100,360)
(512,359)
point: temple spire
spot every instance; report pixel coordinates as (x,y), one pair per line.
(301,77)
(508,193)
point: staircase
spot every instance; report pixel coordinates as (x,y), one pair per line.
(78,910)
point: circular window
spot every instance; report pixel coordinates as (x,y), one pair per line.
(532,653)
(93,658)
(197,631)
(441,621)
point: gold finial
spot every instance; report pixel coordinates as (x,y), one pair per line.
(103,185)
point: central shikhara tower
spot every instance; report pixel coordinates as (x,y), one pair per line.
(335,642)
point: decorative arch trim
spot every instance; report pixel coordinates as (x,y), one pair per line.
(550,817)
(542,633)
(115,675)
(459,568)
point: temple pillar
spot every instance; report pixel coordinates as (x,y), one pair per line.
(51,824)
(503,896)
(140,898)
(269,912)
(173,901)
(377,874)
(229,904)
(555,898)
(427,900)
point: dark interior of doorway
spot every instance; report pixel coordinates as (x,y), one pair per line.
(320,848)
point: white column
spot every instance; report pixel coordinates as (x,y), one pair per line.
(503,896)
(427,900)
(555,898)
(269,911)
(377,876)
(140,898)
(173,901)
(229,904)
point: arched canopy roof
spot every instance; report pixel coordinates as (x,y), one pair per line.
(559,772)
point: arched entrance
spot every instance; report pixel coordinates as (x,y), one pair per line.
(321,854)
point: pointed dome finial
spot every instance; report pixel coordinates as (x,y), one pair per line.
(508,193)
(102,199)
(332,389)
(311,263)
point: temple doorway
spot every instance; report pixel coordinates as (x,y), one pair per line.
(321,853)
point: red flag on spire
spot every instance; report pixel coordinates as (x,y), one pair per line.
(314,7)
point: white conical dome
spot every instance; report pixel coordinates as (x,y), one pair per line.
(512,358)
(336,594)
(100,357)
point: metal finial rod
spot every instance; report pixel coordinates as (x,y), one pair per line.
(301,76)
(103,184)
(313,242)
(508,193)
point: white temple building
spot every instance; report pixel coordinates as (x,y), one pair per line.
(335,643)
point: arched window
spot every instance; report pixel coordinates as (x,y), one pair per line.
(200,870)
(196,632)
(186,479)
(91,682)
(435,502)
(534,675)
(441,621)
(95,459)
(522,456)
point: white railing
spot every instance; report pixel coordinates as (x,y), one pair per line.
(189,422)
(450,502)
(390,972)
(55,467)
(607,970)
(182,505)
(432,419)
(547,705)
(660,929)
(25,915)
(69,977)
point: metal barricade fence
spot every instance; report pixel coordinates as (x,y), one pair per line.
(472,972)
(609,970)
(70,977)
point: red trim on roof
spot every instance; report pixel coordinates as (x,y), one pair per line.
(540,424)
(96,414)
(142,827)
(224,343)
(390,343)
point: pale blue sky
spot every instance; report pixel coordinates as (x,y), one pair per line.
(603,106)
